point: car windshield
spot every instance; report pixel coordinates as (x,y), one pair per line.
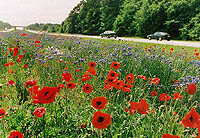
(109,32)
(156,33)
(162,33)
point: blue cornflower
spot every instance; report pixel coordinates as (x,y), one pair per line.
(75,62)
(125,54)
(52,57)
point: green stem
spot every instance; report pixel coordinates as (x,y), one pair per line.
(65,96)
(43,121)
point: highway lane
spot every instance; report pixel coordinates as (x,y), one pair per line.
(165,42)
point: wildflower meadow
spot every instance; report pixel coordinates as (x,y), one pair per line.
(70,87)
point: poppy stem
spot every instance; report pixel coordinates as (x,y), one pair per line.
(43,119)
(4,130)
(100,133)
(65,96)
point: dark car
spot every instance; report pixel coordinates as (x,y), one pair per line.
(108,34)
(159,36)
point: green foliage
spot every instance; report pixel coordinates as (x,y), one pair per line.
(192,29)
(178,14)
(135,18)
(44,27)
(125,23)
(109,11)
(4,25)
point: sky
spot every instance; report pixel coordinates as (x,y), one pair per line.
(25,12)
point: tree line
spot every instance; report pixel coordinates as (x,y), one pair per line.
(44,27)
(179,18)
(4,25)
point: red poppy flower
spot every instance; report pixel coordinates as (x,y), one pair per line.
(119,84)
(154,93)
(60,60)
(177,96)
(2,113)
(191,88)
(115,65)
(101,120)
(16,49)
(11,71)
(20,56)
(9,49)
(25,66)
(70,85)
(99,102)
(142,77)
(133,107)
(172,81)
(37,42)
(164,97)
(19,60)
(108,86)
(92,64)
(169,136)
(111,80)
(77,70)
(11,82)
(85,77)
(46,95)
(39,112)
(16,134)
(87,88)
(130,78)
(24,34)
(33,90)
(197,54)
(142,107)
(92,71)
(126,88)
(30,82)
(192,119)
(6,65)
(154,80)
(15,54)
(60,87)
(112,74)
(11,63)
(67,77)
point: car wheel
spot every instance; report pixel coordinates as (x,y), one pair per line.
(149,38)
(160,38)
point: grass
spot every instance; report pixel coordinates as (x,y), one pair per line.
(188,50)
(72,107)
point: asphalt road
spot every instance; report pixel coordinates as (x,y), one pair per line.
(165,42)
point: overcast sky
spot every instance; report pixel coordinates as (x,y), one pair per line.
(25,12)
